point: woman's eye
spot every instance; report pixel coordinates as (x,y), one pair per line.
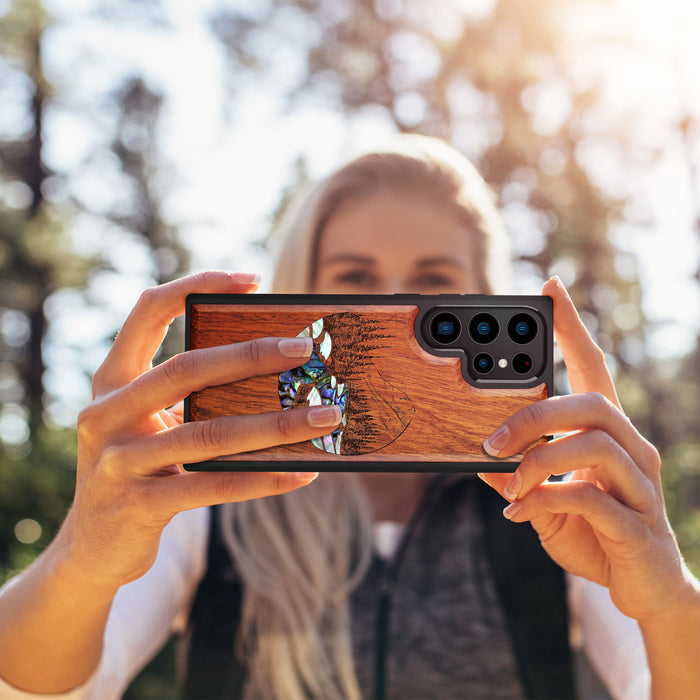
(358,278)
(436,281)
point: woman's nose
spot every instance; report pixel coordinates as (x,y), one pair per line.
(395,285)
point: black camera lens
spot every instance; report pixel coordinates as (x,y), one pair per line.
(522,328)
(483,363)
(445,328)
(483,328)
(522,363)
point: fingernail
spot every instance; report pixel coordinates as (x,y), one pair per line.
(496,442)
(246,277)
(306,477)
(481,476)
(296,347)
(512,488)
(324,416)
(512,510)
(561,285)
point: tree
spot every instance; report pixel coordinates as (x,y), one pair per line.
(37,258)
(502,83)
(497,85)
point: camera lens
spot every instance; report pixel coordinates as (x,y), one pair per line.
(483,328)
(483,363)
(522,363)
(522,328)
(445,328)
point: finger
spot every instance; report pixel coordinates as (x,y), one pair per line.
(191,371)
(585,361)
(178,492)
(177,412)
(608,517)
(565,414)
(228,435)
(556,532)
(173,416)
(145,327)
(592,450)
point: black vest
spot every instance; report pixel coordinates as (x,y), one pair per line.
(530,586)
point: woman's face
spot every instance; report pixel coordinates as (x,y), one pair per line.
(395,242)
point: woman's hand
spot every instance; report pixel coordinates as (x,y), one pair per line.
(608,523)
(130,480)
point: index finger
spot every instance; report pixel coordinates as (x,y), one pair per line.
(565,414)
(146,326)
(584,360)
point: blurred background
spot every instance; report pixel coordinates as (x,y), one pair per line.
(142,139)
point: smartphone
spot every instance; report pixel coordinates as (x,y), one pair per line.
(421,380)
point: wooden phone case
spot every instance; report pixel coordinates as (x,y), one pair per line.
(406,406)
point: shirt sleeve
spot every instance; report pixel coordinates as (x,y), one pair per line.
(145,612)
(611,641)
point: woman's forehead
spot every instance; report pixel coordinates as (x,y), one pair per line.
(396,224)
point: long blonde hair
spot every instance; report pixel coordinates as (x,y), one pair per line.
(418,163)
(299,555)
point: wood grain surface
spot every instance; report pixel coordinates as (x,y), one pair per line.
(403,402)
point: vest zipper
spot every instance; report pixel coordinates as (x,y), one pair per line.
(389,575)
(382,633)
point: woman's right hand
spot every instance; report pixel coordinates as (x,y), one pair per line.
(130,480)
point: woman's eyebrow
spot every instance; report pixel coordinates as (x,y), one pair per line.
(349,258)
(431,262)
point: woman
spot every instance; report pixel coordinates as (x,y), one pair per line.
(414,219)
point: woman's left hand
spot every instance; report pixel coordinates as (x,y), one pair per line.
(608,523)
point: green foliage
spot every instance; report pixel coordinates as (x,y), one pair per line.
(484,82)
(481,81)
(35,486)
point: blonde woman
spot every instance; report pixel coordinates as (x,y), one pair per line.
(366,585)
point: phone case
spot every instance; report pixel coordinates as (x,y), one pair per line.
(413,397)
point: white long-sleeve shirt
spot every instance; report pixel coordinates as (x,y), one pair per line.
(147,611)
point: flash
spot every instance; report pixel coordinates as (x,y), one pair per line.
(503,363)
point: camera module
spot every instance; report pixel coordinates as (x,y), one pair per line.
(522,363)
(483,363)
(522,328)
(445,328)
(483,328)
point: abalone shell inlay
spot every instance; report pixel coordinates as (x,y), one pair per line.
(313,384)
(341,371)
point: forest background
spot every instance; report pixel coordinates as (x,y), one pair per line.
(142,139)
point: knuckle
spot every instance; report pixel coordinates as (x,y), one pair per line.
(199,279)
(88,422)
(605,444)
(588,494)
(597,355)
(282,429)
(534,459)
(278,483)
(225,488)
(251,351)
(597,402)
(208,436)
(111,461)
(181,368)
(97,381)
(232,486)
(533,415)
(147,298)
(652,457)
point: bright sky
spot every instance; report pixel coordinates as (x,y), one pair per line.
(230,170)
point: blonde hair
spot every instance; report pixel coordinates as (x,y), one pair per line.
(418,163)
(299,555)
